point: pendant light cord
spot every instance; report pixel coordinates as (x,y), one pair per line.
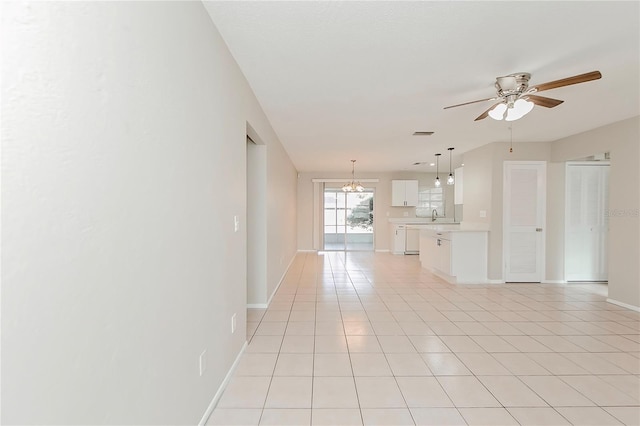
(511,140)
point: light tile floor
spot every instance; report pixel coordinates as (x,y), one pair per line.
(372,338)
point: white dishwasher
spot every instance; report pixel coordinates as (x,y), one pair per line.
(412,240)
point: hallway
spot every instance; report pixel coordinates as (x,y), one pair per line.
(372,338)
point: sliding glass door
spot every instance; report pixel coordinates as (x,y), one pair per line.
(348,220)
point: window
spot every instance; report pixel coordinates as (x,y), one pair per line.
(348,220)
(429,199)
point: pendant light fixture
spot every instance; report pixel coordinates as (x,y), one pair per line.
(450,179)
(437,182)
(353,186)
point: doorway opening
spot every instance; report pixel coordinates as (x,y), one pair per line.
(256,230)
(586,221)
(348,220)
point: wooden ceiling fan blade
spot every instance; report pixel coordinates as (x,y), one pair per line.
(472,102)
(582,78)
(544,101)
(486,113)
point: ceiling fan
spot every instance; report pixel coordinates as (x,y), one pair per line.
(517,98)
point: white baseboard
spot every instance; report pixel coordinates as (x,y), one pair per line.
(454,280)
(266,305)
(307,251)
(223,386)
(382,250)
(257,306)
(443,276)
(624,305)
(284,274)
(554,282)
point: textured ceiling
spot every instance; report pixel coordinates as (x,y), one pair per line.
(354,80)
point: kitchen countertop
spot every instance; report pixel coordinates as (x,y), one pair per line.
(420,221)
(445,227)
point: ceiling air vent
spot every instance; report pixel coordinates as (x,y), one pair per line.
(422,133)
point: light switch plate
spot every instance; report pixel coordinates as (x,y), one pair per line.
(236,224)
(203,362)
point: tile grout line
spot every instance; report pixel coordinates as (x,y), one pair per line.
(388,365)
(313,353)
(264,405)
(355,385)
(561,305)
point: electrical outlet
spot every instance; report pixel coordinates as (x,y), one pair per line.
(236,224)
(233,323)
(203,362)
(406,214)
(483,213)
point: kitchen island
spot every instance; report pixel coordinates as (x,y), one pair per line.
(405,233)
(454,253)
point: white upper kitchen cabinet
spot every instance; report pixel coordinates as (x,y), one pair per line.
(404,193)
(457,194)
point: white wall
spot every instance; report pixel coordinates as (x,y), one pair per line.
(621,141)
(555,232)
(123,164)
(382,209)
(478,187)
(281,213)
(483,190)
(256,223)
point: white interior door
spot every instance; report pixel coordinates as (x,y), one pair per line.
(587,225)
(524,220)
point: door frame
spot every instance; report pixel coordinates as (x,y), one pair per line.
(317,237)
(569,164)
(370,189)
(255,221)
(542,211)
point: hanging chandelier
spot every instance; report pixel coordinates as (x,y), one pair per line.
(353,186)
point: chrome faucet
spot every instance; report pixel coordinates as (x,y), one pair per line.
(434,215)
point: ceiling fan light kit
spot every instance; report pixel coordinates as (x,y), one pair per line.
(497,113)
(511,112)
(517,98)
